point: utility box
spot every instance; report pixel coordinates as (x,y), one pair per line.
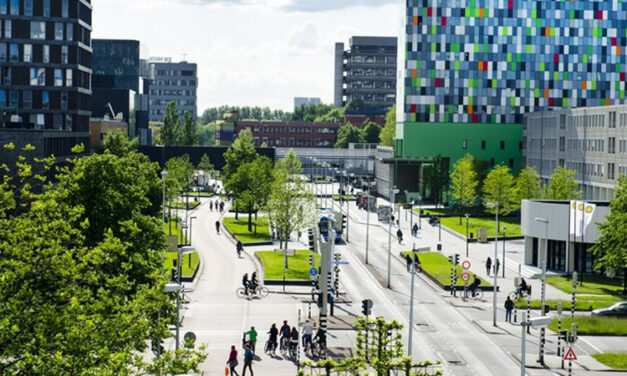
(482,235)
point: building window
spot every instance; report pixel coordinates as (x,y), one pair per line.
(562,121)
(492,162)
(64,8)
(562,143)
(7,76)
(511,163)
(58,77)
(68,78)
(45,100)
(69,32)
(15,7)
(57,121)
(502,145)
(3,52)
(483,144)
(46,8)
(58,31)
(13,99)
(46,54)
(14,52)
(28,53)
(3,98)
(561,162)
(37,30)
(27,99)
(612,119)
(64,100)
(64,55)
(3,6)
(610,171)
(8,28)
(28,7)
(37,76)
(611,145)
(464,144)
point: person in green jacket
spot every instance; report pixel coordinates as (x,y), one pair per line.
(252,338)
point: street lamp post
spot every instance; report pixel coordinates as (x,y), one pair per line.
(348,207)
(504,232)
(496,241)
(368,204)
(191,222)
(411,306)
(394,192)
(543,289)
(467,239)
(164,174)
(181,251)
(176,287)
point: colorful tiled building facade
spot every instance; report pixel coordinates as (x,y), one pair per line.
(472,68)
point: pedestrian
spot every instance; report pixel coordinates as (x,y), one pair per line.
(248,360)
(399,235)
(211,205)
(417,265)
(509,306)
(409,261)
(239,247)
(252,337)
(218,227)
(497,265)
(232,361)
(488,265)
(414,230)
(393,219)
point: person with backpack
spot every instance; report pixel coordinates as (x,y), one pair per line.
(248,360)
(232,361)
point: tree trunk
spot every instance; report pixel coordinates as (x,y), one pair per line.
(250,221)
(625,281)
(236,213)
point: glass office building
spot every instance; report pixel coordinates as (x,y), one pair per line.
(472,68)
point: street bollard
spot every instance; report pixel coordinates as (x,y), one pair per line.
(574,285)
(559,326)
(528,311)
(515,314)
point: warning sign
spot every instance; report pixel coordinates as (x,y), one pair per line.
(466,264)
(570,354)
(465,277)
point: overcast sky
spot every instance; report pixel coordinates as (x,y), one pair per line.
(249,52)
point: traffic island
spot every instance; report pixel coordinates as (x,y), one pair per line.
(582,304)
(189,265)
(298,268)
(437,268)
(594,325)
(616,361)
(238,229)
(512,226)
(191,205)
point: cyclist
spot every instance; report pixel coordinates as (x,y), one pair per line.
(474,285)
(522,287)
(274,333)
(245,283)
(285,334)
(294,338)
(321,338)
(239,247)
(254,282)
(307,333)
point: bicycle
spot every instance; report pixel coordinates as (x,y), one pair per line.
(284,345)
(519,293)
(476,294)
(317,349)
(308,349)
(259,291)
(292,350)
(270,347)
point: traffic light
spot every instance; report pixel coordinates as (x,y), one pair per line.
(451,260)
(311,240)
(457,259)
(312,260)
(343,222)
(366,307)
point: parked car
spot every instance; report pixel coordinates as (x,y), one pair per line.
(615,310)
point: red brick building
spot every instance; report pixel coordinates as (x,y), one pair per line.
(291,133)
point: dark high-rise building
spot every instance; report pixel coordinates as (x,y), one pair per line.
(366,74)
(45,73)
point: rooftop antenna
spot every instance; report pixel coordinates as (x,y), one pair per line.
(184,57)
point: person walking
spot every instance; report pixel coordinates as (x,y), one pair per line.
(409,262)
(488,265)
(218,227)
(497,265)
(248,360)
(239,247)
(414,230)
(252,338)
(232,361)
(399,235)
(509,306)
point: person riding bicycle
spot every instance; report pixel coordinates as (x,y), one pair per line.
(285,332)
(307,332)
(254,282)
(274,333)
(294,338)
(239,247)
(474,285)
(321,337)
(522,287)
(245,283)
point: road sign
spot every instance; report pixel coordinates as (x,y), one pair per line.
(570,355)
(189,337)
(341,262)
(465,276)
(466,264)
(313,272)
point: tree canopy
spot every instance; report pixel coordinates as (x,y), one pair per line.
(241,151)
(246,112)
(562,185)
(347,134)
(388,133)
(370,132)
(190,130)
(528,185)
(464,182)
(171,133)
(499,190)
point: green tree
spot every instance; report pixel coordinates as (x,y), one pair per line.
(388,133)
(180,172)
(611,248)
(436,177)
(499,189)
(250,186)
(206,167)
(355,105)
(347,134)
(528,185)
(562,185)
(370,132)
(291,163)
(117,143)
(291,205)
(207,134)
(464,183)
(171,133)
(241,151)
(190,132)
(79,299)
(334,115)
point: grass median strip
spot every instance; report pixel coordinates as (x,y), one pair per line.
(187,268)
(594,325)
(438,266)
(592,284)
(346,197)
(612,360)
(239,229)
(183,205)
(298,265)
(174,228)
(512,225)
(583,303)
(201,194)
